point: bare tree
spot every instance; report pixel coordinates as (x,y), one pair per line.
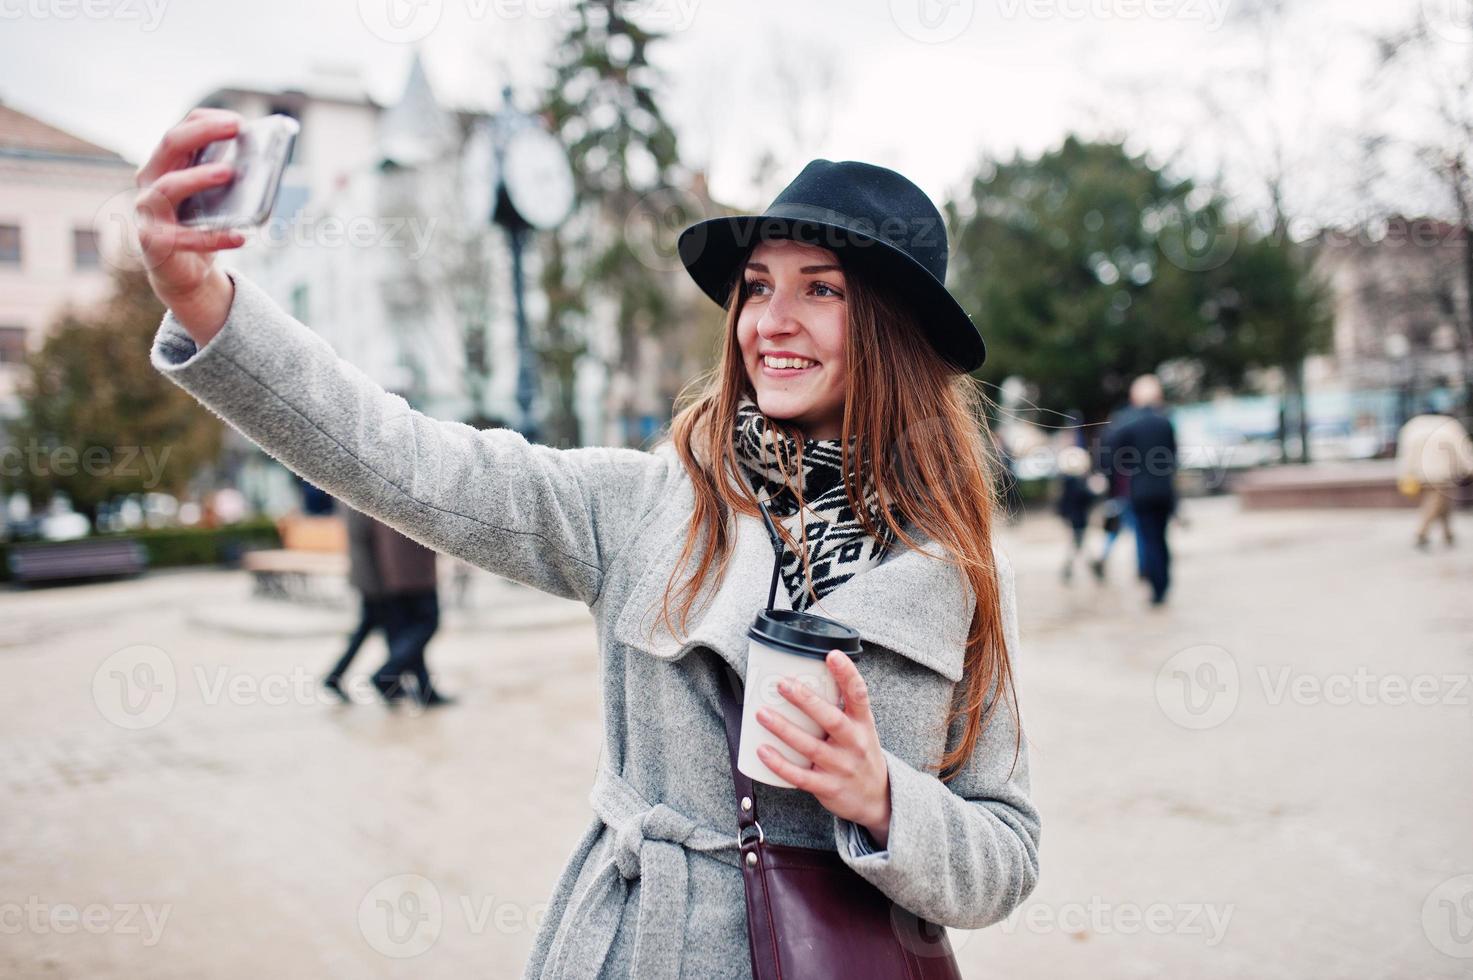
(1423,86)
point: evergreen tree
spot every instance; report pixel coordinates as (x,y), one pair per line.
(603,106)
(1086,267)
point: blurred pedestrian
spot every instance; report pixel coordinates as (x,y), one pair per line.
(1433,455)
(1140,448)
(368,621)
(1076,499)
(396,579)
(361,570)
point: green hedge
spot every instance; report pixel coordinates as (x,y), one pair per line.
(178,546)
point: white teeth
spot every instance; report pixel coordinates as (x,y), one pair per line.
(788,362)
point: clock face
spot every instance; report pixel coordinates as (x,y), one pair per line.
(538,178)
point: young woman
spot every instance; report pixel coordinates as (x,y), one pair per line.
(841,399)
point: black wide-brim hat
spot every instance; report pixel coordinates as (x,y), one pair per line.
(877,221)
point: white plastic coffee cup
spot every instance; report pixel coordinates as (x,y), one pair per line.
(784,643)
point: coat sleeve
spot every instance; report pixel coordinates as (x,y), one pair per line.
(549,518)
(962,854)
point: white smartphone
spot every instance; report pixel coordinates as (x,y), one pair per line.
(258,152)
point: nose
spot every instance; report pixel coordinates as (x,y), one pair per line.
(778,316)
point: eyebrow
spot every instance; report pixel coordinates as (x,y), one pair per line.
(806,270)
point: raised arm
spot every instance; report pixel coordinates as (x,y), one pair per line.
(549,518)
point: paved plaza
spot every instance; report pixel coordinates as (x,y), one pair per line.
(1270,778)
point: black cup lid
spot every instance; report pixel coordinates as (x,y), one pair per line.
(803,633)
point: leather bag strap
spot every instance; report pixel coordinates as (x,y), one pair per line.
(731,712)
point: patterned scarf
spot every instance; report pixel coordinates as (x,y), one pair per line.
(838,547)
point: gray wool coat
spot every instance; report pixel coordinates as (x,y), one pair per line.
(653,888)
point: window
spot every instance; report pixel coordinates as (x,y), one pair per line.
(84,249)
(12,345)
(10,244)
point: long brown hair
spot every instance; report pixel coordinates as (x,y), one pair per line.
(935,468)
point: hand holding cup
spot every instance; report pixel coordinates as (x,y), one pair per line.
(849,776)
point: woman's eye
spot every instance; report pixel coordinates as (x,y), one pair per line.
(751,285)
(831,290)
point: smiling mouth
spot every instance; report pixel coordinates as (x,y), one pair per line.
(785,367)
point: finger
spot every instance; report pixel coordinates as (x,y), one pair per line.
(852,685)
(823,754)
(200,128)
(163,241)
(808,780)
(829,718)
(190,239)
(160,201)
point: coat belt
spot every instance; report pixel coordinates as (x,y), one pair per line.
(649,843)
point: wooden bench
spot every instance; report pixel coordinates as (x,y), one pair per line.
(313,549)
(72,560)
(1368,483)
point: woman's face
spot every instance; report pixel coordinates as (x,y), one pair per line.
(792,331)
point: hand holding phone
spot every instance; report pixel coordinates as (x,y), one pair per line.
(257,155)
(180,260)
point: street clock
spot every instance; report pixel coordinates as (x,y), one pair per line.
(537,178)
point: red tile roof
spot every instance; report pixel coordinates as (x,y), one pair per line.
(25,135)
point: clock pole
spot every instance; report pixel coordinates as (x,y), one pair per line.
(533,191)
(505,124)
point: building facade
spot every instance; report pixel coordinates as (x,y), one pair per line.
(64,206)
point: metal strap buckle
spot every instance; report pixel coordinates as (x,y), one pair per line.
(743,839)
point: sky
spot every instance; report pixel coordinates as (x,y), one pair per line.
(927,87)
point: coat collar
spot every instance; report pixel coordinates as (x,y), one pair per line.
(914,603)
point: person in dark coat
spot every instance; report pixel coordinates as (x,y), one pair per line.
(1140,447)
(396,577)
